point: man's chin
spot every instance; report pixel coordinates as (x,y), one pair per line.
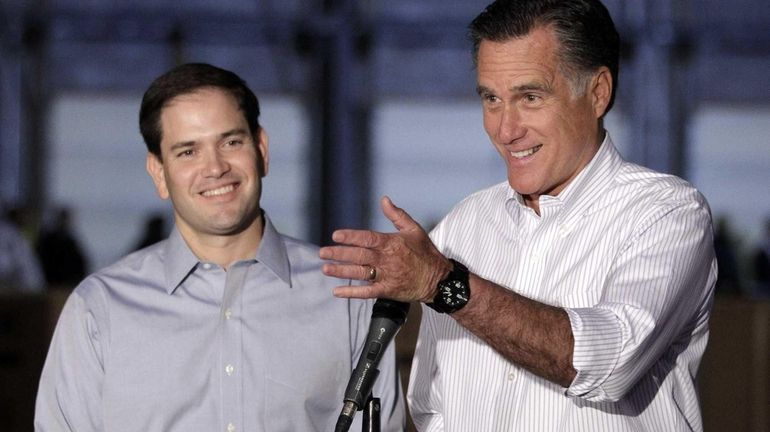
(228,226)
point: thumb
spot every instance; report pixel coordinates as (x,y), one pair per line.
(397,216)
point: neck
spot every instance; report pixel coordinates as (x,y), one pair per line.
(225,249)
(533,202)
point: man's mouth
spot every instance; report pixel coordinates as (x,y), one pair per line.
(528,152)
(219,191)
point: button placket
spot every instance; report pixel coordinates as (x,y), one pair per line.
(231,355)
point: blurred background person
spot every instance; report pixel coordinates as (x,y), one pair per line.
(726,250)
(61,255)
(154,231)
(19,268)
(761,263)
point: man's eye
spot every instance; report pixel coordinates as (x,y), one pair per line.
(185,153)
(489,99)
(234,142)
(531,97)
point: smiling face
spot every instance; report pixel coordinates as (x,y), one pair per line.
(211,166)
(546,132)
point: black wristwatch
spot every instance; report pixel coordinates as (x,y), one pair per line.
(453,291)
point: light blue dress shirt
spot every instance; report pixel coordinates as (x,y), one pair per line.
(161,341)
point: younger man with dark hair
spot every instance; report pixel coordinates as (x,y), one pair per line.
(225,326)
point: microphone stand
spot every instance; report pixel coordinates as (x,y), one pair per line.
(370,422)
(371,417)
(387,317)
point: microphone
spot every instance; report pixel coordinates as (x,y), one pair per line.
(387,317)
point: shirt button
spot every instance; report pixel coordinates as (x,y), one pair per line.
(535,256)
(207,266)
(230,427)
(228,313)
(229,369)
(511,376)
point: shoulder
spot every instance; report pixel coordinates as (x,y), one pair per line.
(302,255)
(144,263)
(640,197)
(144,267)
(305,266)
(299,248)
(314,289)
(644,186)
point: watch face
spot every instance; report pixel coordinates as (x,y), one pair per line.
(454,293)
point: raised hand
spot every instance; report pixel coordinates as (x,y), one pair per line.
(404,265)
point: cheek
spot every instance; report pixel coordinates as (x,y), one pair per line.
(176,181)
(490,124)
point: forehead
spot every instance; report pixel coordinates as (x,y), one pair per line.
(536,52)
(202,110)
(202,116)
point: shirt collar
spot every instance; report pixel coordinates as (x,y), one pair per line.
(272,252)
(181,261)
(576,199)
(591,182)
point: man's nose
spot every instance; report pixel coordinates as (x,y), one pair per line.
(215,164)
(510,128)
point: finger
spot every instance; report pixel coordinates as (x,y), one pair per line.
(348,271)
(397,216)
(361,291)
(361,238)
(347,254)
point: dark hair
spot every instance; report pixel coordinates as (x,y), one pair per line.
(186,79)
(584,28)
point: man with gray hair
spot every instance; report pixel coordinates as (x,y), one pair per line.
(575,296)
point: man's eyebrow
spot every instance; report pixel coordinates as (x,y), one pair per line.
(188,144)
(483,90)
(532,86)
(181,145)
(231,132)
(529,87)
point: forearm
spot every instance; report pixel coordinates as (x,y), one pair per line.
(533,335)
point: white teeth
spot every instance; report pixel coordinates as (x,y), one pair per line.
(220,191)
(525,153)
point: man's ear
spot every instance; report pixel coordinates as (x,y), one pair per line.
(155,169)
(263,154)
(601,91)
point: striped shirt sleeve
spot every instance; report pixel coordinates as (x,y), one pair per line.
(646,299)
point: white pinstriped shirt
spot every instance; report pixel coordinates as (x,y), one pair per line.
(628,253)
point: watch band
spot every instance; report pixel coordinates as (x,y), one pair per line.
(453,291)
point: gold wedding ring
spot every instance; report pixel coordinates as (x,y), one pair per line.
(372,273)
